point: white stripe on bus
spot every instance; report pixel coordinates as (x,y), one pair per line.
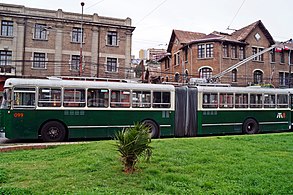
(229,124)
(115,126)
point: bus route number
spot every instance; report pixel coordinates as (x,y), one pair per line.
(18,115)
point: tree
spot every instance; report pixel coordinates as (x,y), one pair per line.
(132,143)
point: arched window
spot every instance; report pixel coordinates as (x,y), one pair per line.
(257,77)
(234,75)
(177,76)
(205,73)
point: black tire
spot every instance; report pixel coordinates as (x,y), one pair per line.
(53,131)
(250,126)
(154,129)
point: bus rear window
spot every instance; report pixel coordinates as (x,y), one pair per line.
(161,100)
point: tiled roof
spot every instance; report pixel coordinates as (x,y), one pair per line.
(187,36)
(239,36)
(242,33)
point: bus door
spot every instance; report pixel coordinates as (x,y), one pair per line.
(23,113)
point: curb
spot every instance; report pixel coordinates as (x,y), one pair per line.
(23,147)
(9,148)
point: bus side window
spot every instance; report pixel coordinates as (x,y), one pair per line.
(120,99)
(241,100)
(226,100)
(24,98)
(49,97)
(98,98)
(141,99)
(74,98)
(282,101)
(161,100)
(269,100)
(210,100)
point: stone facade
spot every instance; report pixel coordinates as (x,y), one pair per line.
(197,55)
(41,43)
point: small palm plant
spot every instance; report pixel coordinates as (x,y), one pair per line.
(132,143)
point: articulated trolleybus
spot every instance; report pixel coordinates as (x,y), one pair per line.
(56,109)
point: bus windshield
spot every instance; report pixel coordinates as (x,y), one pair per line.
(6,101)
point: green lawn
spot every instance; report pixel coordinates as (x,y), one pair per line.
(254,164)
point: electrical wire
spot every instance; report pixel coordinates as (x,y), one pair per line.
(228,28)
(143,18)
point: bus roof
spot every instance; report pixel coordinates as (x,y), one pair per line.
(85,84)
(241,89)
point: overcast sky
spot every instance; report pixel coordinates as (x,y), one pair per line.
(155,19)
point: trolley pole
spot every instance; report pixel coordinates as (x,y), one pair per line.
(81,40)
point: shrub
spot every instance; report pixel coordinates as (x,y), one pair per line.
(132,143)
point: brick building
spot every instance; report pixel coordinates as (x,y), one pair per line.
(41,43)
(197,55)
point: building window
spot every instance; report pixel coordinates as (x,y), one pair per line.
(234,75)
(177,59)
(39,60)
(40,31)
(291,57)
(260,57)
(177,77)
(7,28)
(186,55)
(225,51)
(201,51)
(77,35)
(205,50)
(205,73)
(5,57)
(75,62)
(234,51)
(209,50)
(273,56)
(283,78)
(112,65)
(257,77)
(282,57)
(241,53)
(5,61)
(167,63)
(112,38)
(256,50)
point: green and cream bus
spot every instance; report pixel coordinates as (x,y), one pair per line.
(55,109)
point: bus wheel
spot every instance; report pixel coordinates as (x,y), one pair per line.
(53,131)
(154,130)
(250,126)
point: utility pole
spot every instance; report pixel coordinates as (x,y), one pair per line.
(81,40)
